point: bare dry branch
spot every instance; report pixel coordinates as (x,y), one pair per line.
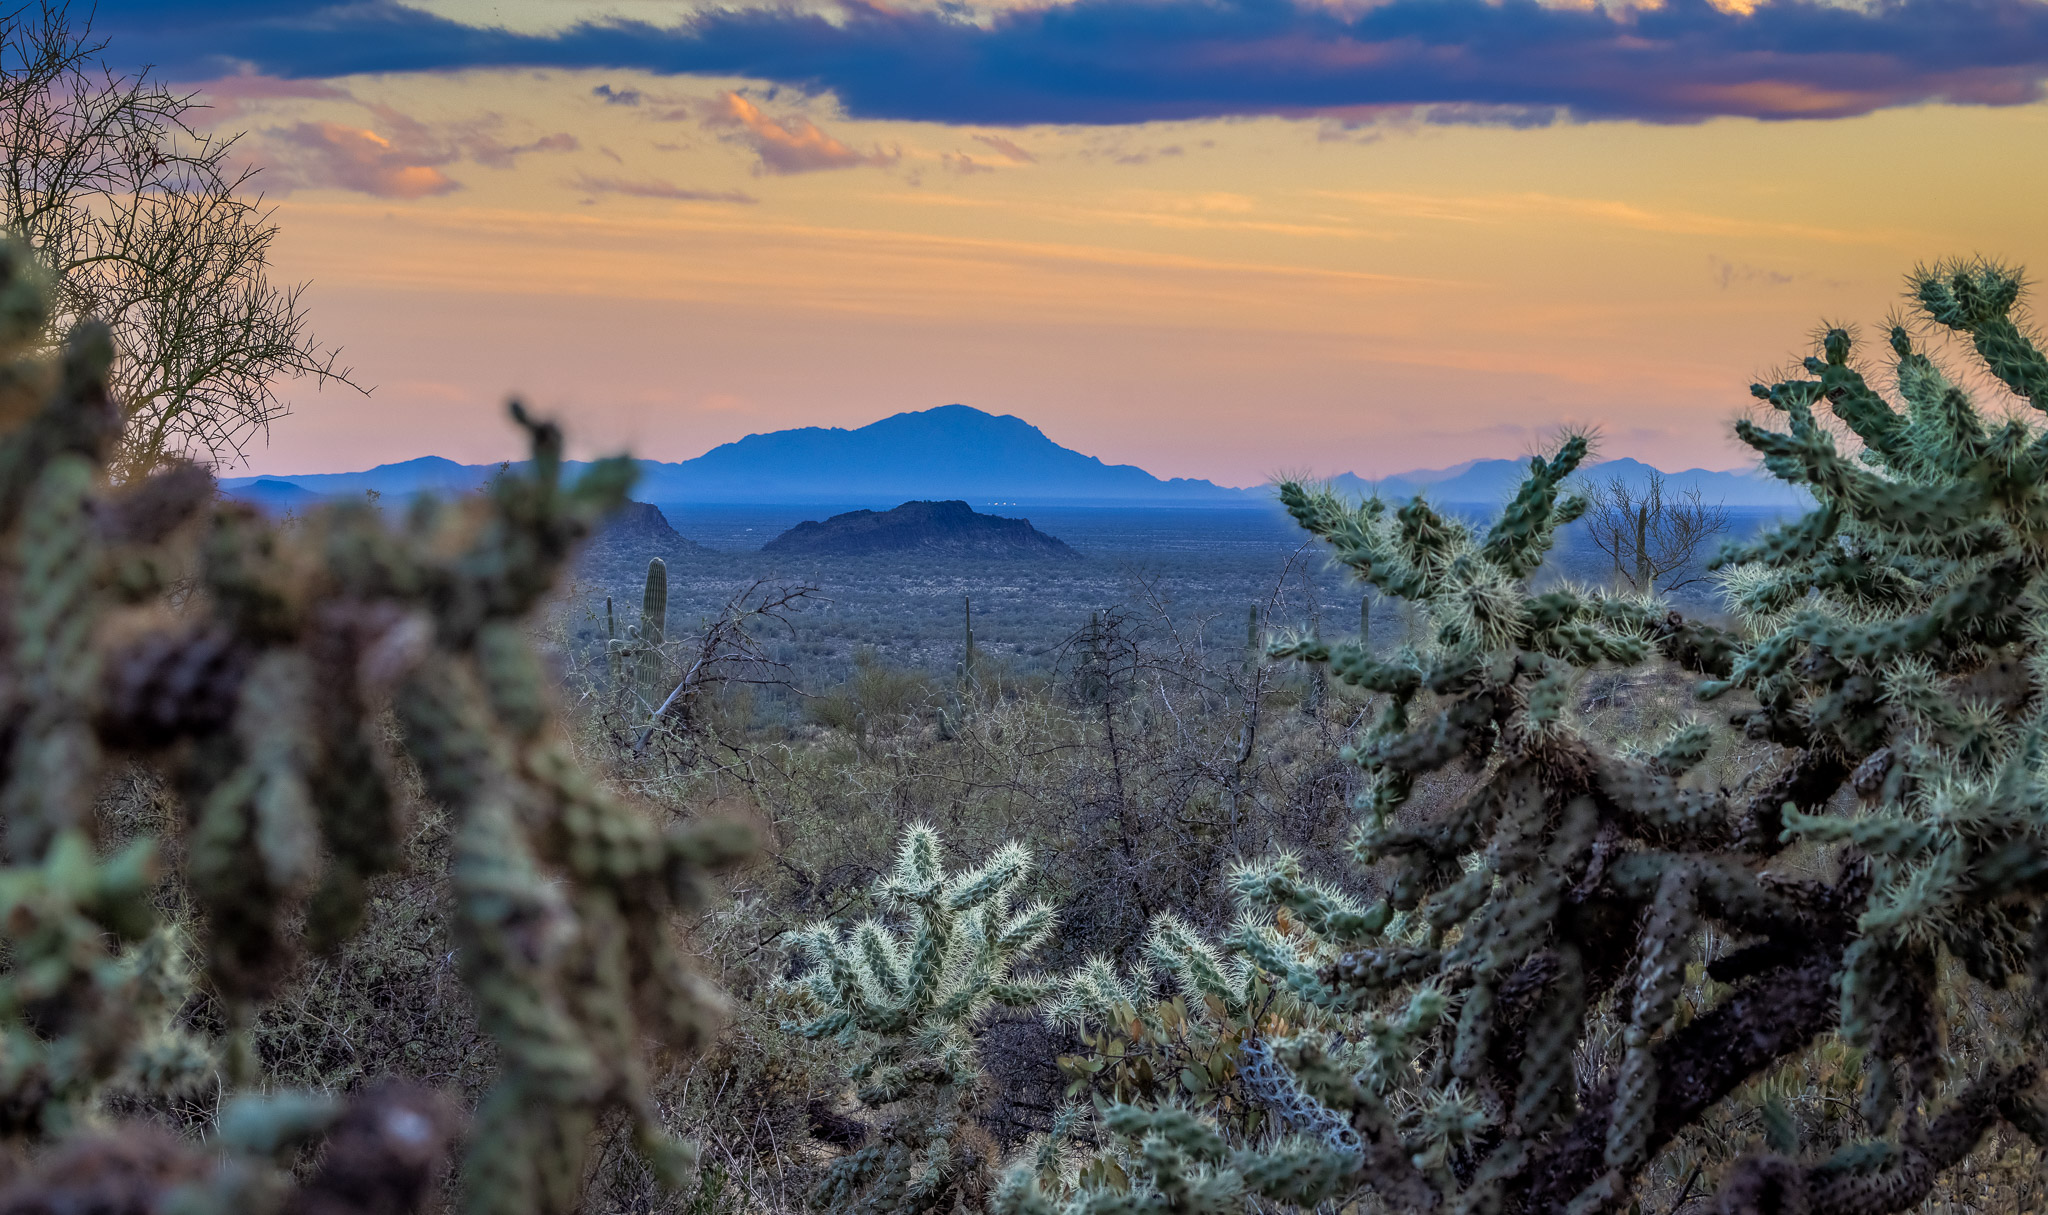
(729,651)
(1651,535)
(152,226)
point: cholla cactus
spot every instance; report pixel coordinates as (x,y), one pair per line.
(909,997)
(261,700)
(1890,644)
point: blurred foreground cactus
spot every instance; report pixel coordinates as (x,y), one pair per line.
(259,696)
(1889,645)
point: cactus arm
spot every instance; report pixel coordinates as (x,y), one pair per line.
(1911,1169)
(1770,1018)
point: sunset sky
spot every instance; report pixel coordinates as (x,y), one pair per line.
(1217,238)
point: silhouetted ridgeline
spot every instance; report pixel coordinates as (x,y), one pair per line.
(949,528)
(274,496)
(1490,482)
(959,452)
(953,451)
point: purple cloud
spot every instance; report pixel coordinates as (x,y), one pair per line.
(336,156)
(1009,148)
(1125,61)
(398,156)
(964,164)
(655,187)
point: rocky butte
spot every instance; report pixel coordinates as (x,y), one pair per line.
(619,552)
(950,528)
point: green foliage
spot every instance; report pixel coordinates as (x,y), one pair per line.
(875,697)
(260,701)
(909,997)
(1432,1043)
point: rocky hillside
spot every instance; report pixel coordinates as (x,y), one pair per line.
(947,528)
(638,532)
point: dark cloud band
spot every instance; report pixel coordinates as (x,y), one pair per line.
(1120,61)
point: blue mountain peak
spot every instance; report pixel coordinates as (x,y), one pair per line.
(960,452)
(952,451)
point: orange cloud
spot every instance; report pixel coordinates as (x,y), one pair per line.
(401,157)
(352,158)
(791,145)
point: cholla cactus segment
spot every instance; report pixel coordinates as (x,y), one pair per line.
(1686,746)
(56,554)
(1049,1158)
(1518,540)
(1660,975)
(1199,969)
(1297,961)
(1318,906)
(1177,1163)
(1095,993)
(909,995)
(1977,298)
(261,701)
(993,881)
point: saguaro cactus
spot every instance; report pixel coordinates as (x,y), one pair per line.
(960,701)
(1317,694)
(967,647)
(650,663)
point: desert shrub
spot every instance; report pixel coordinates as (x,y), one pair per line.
(1596,953)
(876,697)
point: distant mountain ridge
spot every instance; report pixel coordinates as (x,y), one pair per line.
(274,496)
(1489,482)
(403,479)
(958,452)
(952,452)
